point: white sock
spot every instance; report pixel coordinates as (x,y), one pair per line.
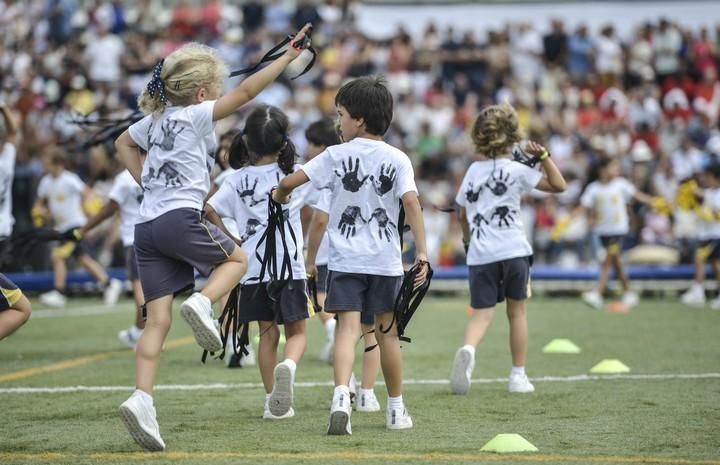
(330,327)
(144,396)
(366,392)
(470,348)
(267,396)
(291,363)
(395,403)
(699,287)
(135,332)
(517,371)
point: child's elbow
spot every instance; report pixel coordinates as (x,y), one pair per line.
(560,186)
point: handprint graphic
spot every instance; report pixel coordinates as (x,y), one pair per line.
(384,182)
(247,192)
(350,177)
(349,221)
(385,226)
(478,222)
(472,195)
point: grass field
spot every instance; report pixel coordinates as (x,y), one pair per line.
(668,419)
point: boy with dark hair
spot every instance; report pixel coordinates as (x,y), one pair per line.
(369,180)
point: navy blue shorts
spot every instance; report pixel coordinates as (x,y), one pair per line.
(321,278)
(364,293)
(494,282)
(291,305)
(169,247)
(9,293)
(131,266)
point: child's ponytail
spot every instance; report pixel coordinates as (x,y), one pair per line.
(266,132)
(286,157)
(238,154)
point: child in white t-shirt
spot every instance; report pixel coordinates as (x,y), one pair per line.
(498,253)
(321,135)
(607,201)
(264,154)
(369,180)
(182,102)
(60,196)
(125,197)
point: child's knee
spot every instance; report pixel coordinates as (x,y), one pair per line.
(270,334)
(516,309)
(23,306)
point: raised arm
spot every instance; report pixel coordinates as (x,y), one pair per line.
(130,155)
(318,225)
(413,217)
(253,85)
(552,180)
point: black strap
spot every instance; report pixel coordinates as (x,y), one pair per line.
(28,240)
(401,226)
(276,52)
(230,327)
(106,129)
(312,290)
(408,299)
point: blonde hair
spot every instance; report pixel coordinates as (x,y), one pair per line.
(496,130)
(184,71)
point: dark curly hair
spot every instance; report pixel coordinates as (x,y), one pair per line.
(265,133)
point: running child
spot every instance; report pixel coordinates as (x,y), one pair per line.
(125,197)
(266,155)
(15,308)
(606,200)
(709,236)
(321,135)
(60,197)
(499,255)
(369,180)
(182,103)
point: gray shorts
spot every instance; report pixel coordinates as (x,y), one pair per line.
(256,305)
(365,293)
(171,245)
(493,282)
(131,266)
(321,278)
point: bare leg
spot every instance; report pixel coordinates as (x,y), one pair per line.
(295,340)
(226,275)
(390,354)
(371,359)
(700,267)
(267,352)
(478,325)
(139,298)
(59,272)
(348,330)
(620,271)
(517,316)
(14,317)
(94,268)
(604,274)
(147,352)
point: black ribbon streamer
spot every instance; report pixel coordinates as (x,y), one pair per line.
(276,52)
(408,299)
(105,129)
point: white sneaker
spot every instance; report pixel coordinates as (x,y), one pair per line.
(462,371)
(112,292)
(352,386)
(340,414)
(593,299)
(197,312)
(520,383)
(281,397)
(398,419)
(631,299)
(694,296)
(249,360)
(367,402)
(129,337)
(53,299)
(139,418)
(267,414)
(715,303)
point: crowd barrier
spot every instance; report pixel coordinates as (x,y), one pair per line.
(544,277)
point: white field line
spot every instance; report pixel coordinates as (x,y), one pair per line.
(312,384)
(79,311)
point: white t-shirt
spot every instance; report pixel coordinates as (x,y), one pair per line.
(104,55)
(491,193)
(64,197)
(128,195)
(710,229)
(367,178)
(7,171)
(610,204)
(321,201)
(229,223)
(244,197)
(180,145)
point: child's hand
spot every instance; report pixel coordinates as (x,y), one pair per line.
(280,199)
(533,148)
(311,269)
(298,44)
(422,275)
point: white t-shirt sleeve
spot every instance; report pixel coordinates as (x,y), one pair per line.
(319,170)
(43,187)
(139,132)
(202,117)
(223,201)
(117,191)
(405,178)
(75,183)
(529,178)
(587,199)
(628,190)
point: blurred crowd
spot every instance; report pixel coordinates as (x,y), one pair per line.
(651,99)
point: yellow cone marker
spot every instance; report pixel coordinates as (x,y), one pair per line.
(561,346)
(508,443)
(610,367)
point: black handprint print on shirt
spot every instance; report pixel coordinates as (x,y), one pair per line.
(478,222)
(384,182)
(247,193)
(504,215)
(349,177)
(251,228)
(380,215)
(472,195)
(349,221)
(169,135)
(499,185)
